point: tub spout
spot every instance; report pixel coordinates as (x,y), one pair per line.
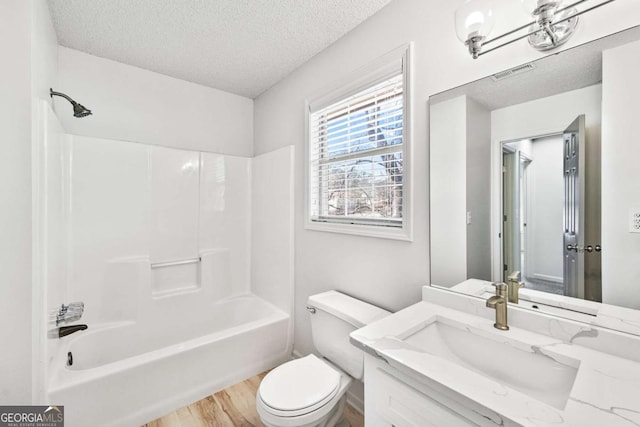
(63,331)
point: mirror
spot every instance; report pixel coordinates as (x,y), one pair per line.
(533,178)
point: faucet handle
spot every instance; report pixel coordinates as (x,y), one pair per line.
(499,286)
(514,276)
(501,289)
(77,305)
(67,313)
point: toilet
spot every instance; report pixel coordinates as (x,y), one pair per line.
(311,391)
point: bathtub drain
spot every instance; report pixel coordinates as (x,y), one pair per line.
(69,359)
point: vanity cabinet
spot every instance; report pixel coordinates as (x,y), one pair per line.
(393,398)
(438,363)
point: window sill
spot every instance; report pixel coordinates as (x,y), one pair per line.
(393,233)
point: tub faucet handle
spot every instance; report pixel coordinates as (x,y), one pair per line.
(67,313)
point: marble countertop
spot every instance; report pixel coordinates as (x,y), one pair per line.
(606,390)
(595,313)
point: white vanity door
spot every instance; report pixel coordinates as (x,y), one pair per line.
(390,401)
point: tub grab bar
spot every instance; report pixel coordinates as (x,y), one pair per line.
(171,263)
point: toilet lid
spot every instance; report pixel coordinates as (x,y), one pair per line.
(302,383)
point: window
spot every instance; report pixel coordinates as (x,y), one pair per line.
(357,158)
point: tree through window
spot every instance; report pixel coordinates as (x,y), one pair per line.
(356,157)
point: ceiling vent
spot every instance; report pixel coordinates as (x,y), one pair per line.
(512,72)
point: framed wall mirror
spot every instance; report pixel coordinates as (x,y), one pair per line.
(533,180)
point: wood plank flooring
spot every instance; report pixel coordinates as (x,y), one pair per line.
(233,406)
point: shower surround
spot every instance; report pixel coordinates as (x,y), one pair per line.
(183,260)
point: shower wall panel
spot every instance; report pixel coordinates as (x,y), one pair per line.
(174,204)
(225,219)
(108,220)
(128,206)
(272,226)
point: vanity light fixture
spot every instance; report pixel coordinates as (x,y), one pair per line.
(553,24)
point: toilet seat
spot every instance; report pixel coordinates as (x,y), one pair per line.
(299,387)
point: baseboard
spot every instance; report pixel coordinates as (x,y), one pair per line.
(355,402)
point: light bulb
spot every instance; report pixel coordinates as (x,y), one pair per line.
(474,19)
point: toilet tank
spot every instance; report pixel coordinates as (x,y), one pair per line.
(336,316)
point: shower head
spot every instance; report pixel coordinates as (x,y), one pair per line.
(79,110)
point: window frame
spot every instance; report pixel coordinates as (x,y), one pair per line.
(373,73)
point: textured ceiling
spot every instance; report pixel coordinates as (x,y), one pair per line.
(240,46)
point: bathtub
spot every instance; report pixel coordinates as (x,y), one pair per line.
(129,373)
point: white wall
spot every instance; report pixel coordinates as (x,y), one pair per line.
(548,115)
(132,104)
(460,190)
(44,50)
(389,273)
(544,258)
(27,42)
(15,202)
(44,68)
(620,153)
(449,195)
(478,190)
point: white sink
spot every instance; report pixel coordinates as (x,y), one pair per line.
(532,373)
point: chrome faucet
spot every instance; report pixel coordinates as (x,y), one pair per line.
(514,285)
(67,313)
(499,303)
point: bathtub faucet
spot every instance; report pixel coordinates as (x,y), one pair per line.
(63,331)
(68,313)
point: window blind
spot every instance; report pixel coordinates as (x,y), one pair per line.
(356,157)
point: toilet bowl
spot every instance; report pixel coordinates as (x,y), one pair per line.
(304,392)
(311,391)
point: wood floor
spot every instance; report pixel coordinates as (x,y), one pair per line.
(233,406)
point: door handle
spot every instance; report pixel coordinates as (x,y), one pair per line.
(573,248)
(596,248)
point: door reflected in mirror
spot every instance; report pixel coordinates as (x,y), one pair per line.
(544,217)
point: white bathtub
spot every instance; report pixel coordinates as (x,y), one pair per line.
(130,373)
